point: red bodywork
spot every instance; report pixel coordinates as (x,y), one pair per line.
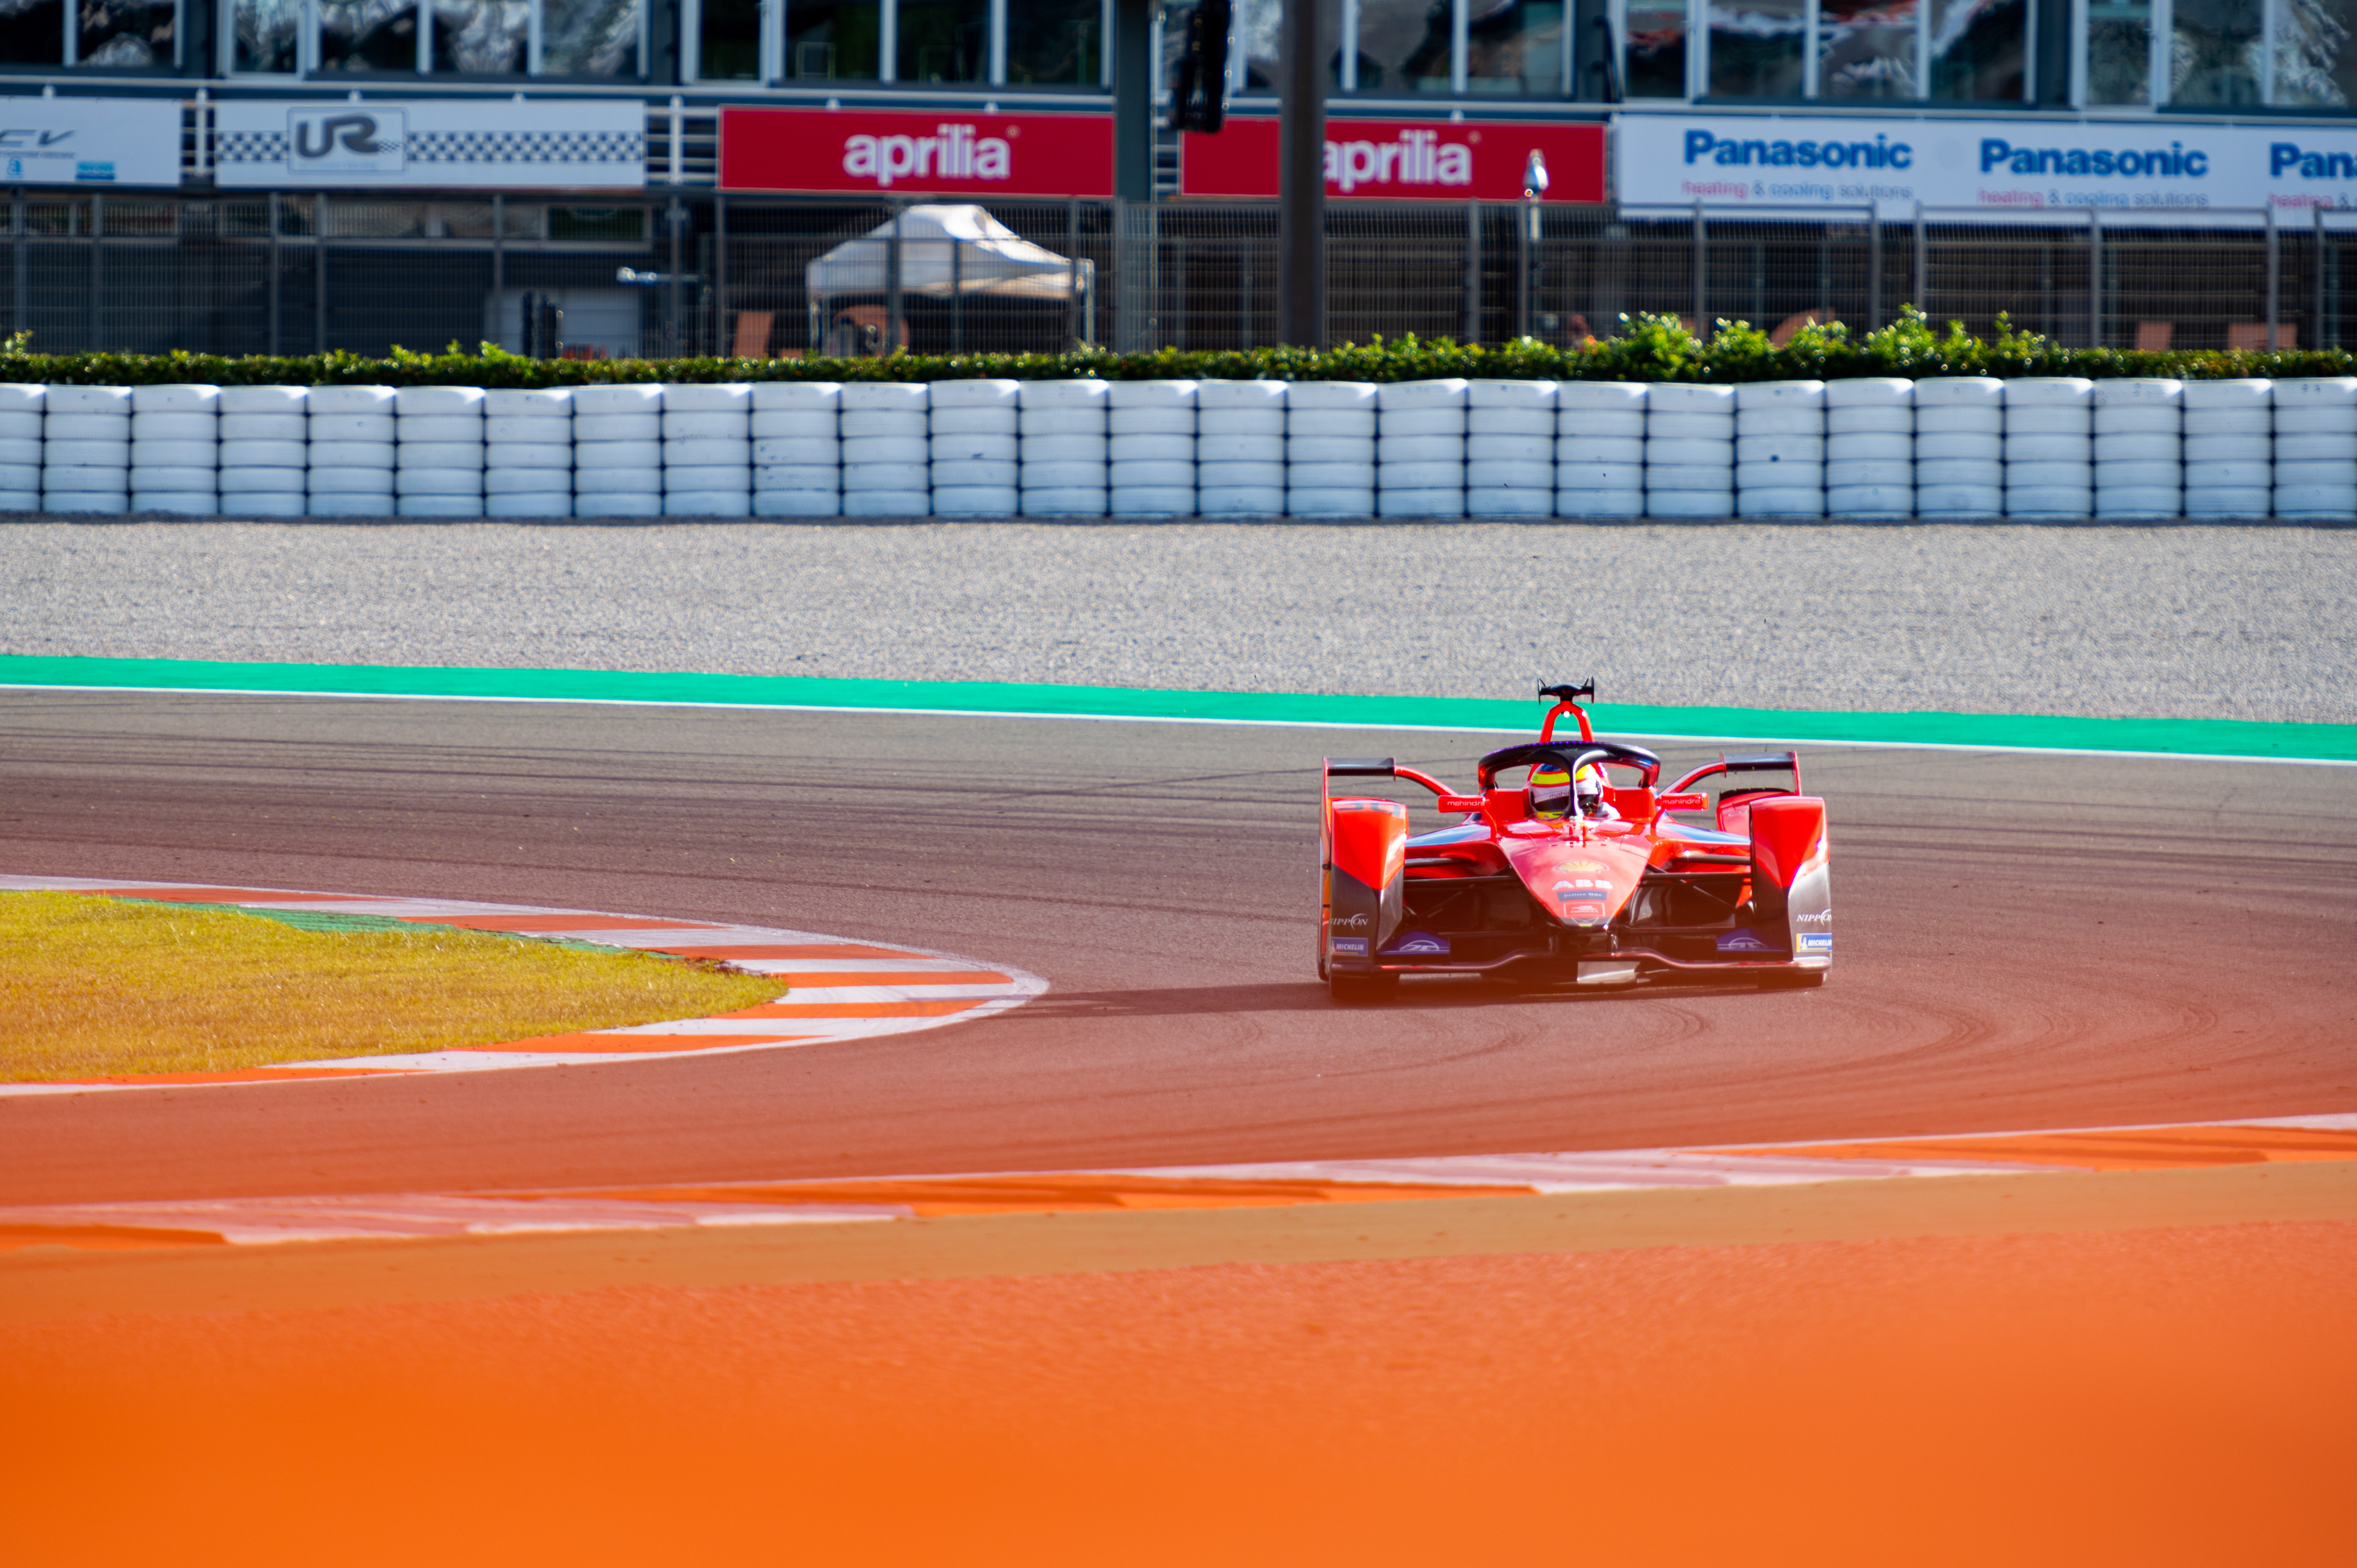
(1629,892)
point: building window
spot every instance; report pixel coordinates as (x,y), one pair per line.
(1980,51)
(1056,43)
(943,40)
(2316,54)
(1866,49)
(1653,62)
(2119,51)
(447,37)
(729,40)
(2216,52)
(1759,49)
(119,33)
(1516,49)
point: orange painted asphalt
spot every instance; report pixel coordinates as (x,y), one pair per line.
(2154,1397)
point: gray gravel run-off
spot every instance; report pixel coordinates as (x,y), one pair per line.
(2240,622)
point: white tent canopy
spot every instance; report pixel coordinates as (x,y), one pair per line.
(988,258)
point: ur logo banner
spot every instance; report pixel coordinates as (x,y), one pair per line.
(540,144)
(346,141)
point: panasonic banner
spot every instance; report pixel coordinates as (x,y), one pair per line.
(555,144)
(2135,171)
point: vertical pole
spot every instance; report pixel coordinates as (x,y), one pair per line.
(2320,335)
(97,269)
(1301,220)
(1873,269)
(20,305)
(2275,277)
(1245,259)
(675,333)
(957,294)
(275,281)
(1524,236)
(1701,273)
(1133,98)
(320,273)
(2095,277)
(1179,292)
(500,274)
(1922,262)
(892,275)
(1072,259)
(1473,272)
(722,343)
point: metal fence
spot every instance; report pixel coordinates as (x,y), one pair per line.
(666,276)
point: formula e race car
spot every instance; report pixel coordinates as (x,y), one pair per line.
(1563,868)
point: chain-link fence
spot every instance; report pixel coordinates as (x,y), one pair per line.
(663,276)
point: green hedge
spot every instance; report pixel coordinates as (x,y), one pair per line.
(1648,348)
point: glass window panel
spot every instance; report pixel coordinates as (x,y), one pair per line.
(368,35)
(2214,51)
(481,38)
(1979,50)
(265,32)
(2119,51)
(729,40)
(1255,42)
(834,40)
(1055,43)
(1404,46)
(1653,58)
(1866,49)
(1514,47)
(590,37)
(1759,47)
(2316,63)
(32,32)
(944,40)
(126,33)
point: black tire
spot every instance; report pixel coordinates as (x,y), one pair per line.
(1792,980)
(1363,989)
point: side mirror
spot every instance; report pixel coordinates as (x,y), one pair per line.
(1682,803)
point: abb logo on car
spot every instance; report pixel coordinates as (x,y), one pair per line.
(1403,160)
(916,154)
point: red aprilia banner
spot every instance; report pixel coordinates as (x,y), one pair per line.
(949,153)
(1403,160)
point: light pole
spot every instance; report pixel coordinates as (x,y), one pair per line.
(1534,184)
(1304,43)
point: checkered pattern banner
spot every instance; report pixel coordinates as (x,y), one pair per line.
(527,147)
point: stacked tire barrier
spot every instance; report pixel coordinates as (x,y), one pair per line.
(1951,448)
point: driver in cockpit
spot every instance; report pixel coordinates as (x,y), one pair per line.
(1554,792)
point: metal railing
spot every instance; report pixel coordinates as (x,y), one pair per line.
(667,275)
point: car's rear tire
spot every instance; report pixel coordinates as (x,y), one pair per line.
(1792,980)
(1363,989)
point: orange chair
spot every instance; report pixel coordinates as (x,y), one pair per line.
(1791,327)
(753,334)
(2253,335)
(2152,336)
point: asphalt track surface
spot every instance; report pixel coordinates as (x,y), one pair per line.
(2025,943)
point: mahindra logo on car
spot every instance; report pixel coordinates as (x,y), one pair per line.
(951,152)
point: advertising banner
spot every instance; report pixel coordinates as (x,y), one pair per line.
(556,144)
(90,140)
(2143,171)
(949,153)
(1403,160)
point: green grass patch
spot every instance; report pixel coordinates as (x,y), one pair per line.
(94,987)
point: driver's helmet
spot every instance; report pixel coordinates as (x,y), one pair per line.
(1550,791)
(1590,789)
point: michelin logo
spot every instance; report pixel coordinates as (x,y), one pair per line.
(1816,941)
(1350,947)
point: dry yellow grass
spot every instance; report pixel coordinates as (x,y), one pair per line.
(92,987)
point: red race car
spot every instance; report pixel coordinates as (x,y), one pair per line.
(1562,867)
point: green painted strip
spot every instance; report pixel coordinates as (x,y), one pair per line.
(2229,737)
(329,922)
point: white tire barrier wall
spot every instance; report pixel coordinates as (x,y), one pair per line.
(1599,449)
(1689,451)
(528,453)
(1150,431)
(1331,449)
(1240,448)
(1780,449)
(886,451)
(1510,449)
(797,449)
(265,450)
(1959,448)
(977,431)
